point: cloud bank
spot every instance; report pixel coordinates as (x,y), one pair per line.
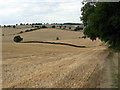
(44,11)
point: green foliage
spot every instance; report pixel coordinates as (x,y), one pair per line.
(102,20)
(57,38)
(84,37)
(43,26)
(78,28)
(37,26)
(21,24)
(60,27)
(36,23)
(21,32)
(8,26)
(17,39)
(4,26)
(72,24)
(53,26)
(31,30)
(27,30)
(69,27)
(14,26)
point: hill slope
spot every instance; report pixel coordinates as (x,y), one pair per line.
(39,65)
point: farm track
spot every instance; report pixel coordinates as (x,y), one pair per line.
(70,70)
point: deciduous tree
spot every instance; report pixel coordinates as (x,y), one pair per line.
(102,20)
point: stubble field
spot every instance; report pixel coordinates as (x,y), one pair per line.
(42,65)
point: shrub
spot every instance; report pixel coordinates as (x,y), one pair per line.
(21,24)
(57,38)
(43,26)
(31,30)
(78,28)
(27,24)
(14,26)
(34,29)
(4,26)
(69,27)
(17,39)
(84,37)
(21,31)
(60,27)
(8,26)
(53,26)
(27,30)
(37,26)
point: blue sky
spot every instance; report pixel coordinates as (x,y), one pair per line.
(44,11)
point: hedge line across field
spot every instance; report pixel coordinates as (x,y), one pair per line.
(32,29)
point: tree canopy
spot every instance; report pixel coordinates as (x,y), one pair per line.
(102,20)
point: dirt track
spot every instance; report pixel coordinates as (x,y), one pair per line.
(53,66)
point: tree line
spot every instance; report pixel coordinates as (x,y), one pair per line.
(102,20)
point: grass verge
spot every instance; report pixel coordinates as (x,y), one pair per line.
(114,69)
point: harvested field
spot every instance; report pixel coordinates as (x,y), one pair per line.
(43,65)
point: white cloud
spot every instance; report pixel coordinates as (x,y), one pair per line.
(14,11)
